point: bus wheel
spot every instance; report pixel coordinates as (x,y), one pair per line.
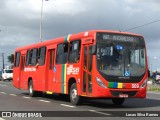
(74,98)
(118,101)
(32,93)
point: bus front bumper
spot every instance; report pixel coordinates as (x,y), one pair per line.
(120,93)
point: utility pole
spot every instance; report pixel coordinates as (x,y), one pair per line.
(41,21)
(3,59)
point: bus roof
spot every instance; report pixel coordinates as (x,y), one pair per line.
(73,36)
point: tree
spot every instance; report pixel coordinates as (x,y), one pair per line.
(11,58)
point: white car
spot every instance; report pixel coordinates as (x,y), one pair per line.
(7,74)
(158,77)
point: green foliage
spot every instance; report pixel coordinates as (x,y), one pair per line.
(11,58)
(154,89)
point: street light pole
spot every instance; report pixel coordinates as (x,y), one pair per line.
(41,21)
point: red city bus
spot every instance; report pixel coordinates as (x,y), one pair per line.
(95,64)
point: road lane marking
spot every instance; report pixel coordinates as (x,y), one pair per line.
(44,101)
(102,113)
(26,97)
(153,93)
(3,92)
(13,94)
(3,85)
(1,118)
(67,105)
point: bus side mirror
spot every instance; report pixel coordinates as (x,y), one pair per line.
(93,50)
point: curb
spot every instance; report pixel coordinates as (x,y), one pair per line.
(153,92)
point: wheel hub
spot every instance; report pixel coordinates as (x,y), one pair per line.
(30,89)
(74,94)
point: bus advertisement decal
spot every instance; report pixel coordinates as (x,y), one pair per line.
(67,38)
(115,85)
(72,70)
(29,69)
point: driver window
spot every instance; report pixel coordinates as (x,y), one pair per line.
(74,51)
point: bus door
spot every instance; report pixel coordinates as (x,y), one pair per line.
(16,70)
(87,71)
(50,70)
(22,80)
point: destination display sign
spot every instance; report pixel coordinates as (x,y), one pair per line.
(119,38)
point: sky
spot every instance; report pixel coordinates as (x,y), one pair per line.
(20,21)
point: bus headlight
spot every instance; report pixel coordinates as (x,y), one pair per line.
(144,84)
(100,83)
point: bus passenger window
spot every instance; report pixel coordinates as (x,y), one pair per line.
(34,57)
(42,55)
(62,53)
(17,59)
(28,58)
(74,52)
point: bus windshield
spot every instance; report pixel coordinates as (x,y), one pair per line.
(120,56)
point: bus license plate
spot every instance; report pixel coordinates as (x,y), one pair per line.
(123,95)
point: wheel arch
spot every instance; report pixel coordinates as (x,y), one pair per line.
(70,82)
(29,79)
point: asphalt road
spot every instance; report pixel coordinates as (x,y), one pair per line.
(12,99)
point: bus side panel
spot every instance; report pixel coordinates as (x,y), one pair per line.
(39,78)
(58,78)
(17,70)
(16,79)
(25,80)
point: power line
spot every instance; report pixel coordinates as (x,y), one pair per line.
(142,25)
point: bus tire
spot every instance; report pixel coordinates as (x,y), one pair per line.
(32,93)
(118,101)
(74,98)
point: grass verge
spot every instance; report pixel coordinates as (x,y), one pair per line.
(152,88)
